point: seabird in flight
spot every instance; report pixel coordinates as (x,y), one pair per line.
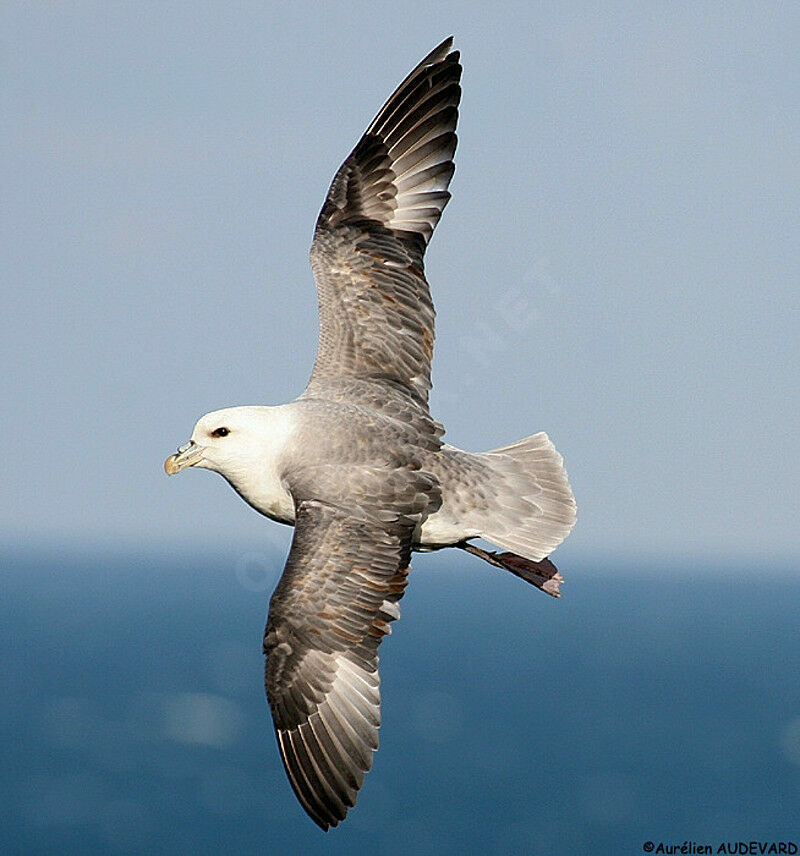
(357,463)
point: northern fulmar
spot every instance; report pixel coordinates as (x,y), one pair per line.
(357,463)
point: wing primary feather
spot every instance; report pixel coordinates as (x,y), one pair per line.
(299,783)
(317,774)
(339,762)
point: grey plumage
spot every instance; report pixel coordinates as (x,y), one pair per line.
(376,312)
(357,462)
(375,352)
(346,572)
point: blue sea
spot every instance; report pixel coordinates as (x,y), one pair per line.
(649,704)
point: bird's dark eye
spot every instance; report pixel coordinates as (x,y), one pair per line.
(220,432)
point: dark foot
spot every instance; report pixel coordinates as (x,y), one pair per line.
(543,574)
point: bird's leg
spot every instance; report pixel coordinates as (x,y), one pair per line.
(543,574)
(486,555)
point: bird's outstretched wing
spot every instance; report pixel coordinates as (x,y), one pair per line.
(343,579)
(376,313)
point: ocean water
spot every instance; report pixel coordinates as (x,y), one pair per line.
(648,704)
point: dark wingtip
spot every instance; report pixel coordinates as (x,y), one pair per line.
(439,52)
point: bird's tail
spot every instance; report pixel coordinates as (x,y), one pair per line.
(531,509)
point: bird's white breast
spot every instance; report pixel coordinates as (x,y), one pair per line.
(261,483)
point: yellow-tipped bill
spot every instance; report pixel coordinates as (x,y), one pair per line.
(186,456)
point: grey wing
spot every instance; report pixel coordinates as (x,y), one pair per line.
(345,574)
(376,313)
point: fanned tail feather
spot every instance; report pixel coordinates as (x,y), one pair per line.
(533,509)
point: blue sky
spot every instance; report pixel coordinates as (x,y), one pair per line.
(618,265)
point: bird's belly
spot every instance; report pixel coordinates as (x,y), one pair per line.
(277,505)
(279,512)
(442,529)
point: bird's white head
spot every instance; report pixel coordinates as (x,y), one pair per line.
(231,442)
(249,447)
